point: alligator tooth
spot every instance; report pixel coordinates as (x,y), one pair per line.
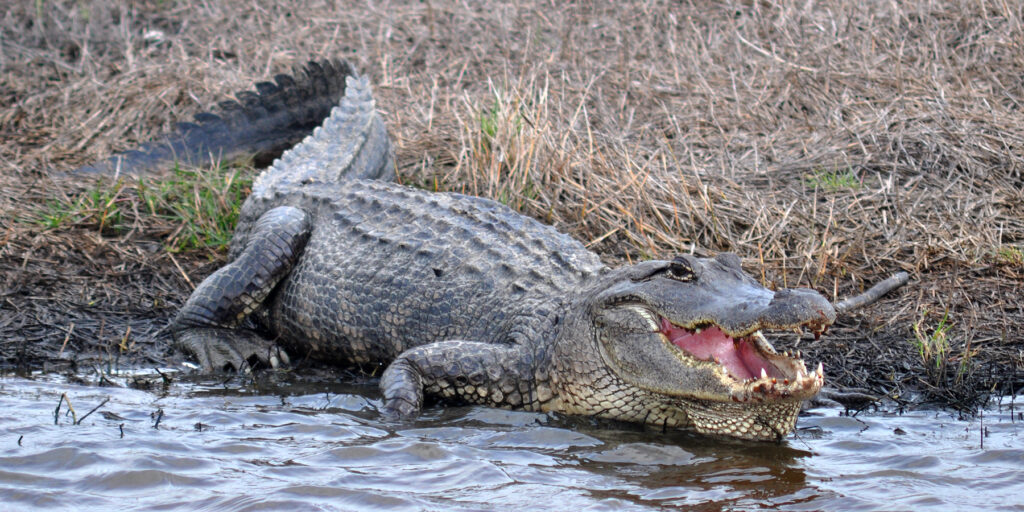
(697,330)
(785,353)
(762,342)
(799,355)
(820,370)
(646,315)
(764,375)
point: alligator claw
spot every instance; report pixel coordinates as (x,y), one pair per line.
(274,357)
(227,350)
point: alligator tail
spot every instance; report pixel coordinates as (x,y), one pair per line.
(351,144)
(257,127)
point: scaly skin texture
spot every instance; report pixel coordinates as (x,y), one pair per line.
(463,299)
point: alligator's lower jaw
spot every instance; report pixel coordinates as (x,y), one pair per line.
(753,422)
(749,366)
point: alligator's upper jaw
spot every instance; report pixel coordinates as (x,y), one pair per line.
(747,365)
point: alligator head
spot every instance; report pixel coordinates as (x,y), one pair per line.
(681,344)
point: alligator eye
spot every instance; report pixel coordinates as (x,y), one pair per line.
(680,269)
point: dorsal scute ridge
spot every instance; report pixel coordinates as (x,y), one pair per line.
(326,155)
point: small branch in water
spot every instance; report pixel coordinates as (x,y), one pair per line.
(104,402)
(874,293)
(159,415)
(167,379)
(56,412)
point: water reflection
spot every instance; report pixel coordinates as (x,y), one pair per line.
(302,443)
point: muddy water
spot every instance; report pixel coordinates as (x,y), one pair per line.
(315,446)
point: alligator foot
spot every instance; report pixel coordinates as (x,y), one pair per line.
(230,349)
(466,371)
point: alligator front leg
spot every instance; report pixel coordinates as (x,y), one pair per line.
(209,325)
(480,373)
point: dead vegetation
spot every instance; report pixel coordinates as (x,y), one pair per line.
(827,143)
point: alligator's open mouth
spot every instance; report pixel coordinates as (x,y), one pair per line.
(749,365)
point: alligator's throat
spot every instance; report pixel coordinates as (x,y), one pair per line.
(739,356)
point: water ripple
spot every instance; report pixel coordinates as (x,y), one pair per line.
(323,448)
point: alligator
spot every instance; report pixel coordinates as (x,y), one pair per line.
(461,299)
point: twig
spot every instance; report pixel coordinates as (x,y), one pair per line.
(56,412)
(183,274)
(124,341)
(103,378)
(71,329)
(874,293)
(167,379)
(104,402)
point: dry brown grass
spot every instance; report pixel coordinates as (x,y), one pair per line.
(828,143)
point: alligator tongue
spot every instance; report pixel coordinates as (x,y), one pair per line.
(739,357)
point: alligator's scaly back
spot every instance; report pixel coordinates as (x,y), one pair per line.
(257,127)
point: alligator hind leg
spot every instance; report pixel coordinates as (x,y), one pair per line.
(209,326)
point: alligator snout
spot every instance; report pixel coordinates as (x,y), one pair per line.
(791,306)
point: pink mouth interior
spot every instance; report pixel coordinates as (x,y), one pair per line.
(739,357)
